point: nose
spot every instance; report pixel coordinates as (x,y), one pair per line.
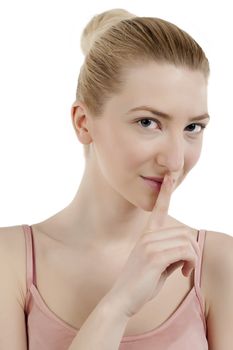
(171,153)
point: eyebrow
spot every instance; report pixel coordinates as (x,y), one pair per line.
(165,115)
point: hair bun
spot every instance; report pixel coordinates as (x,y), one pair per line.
(99,24)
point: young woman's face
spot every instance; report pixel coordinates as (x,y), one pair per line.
(130,144)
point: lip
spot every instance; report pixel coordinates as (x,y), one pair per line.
(155,185)
(157,179)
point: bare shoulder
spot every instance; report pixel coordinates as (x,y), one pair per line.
(13,253)
(218,253)
(13,327)
(215,237)
(217,256)
(218,265)
(12,239)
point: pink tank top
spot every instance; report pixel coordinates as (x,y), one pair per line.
(184,329)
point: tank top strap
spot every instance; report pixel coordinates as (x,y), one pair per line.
(197,275)
(201,242)
(30,257)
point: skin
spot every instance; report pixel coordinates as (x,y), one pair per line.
(111,191)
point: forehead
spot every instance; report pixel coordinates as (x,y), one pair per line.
(170,88)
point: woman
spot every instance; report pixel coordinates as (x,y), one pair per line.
(113,270)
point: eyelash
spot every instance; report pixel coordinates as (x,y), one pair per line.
(203,126)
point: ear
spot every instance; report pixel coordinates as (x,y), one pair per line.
(81,122)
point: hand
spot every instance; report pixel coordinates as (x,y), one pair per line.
(158,252)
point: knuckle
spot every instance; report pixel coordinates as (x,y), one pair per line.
(185,248)
(159,259)
(153,255)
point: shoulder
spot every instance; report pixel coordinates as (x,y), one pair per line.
(214,239)
(13,255)
(218,260)
(13,334)
(218,253)
(12,240)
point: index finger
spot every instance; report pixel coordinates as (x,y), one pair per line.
(160,210)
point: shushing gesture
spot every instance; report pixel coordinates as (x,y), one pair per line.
(158,252)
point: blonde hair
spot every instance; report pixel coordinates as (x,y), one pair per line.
(115,40)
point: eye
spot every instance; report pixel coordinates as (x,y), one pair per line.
(146,119)
(201,127)
(193,125)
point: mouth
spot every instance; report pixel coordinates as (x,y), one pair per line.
(151,182)
(155,179)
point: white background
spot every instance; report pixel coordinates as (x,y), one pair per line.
(41,158)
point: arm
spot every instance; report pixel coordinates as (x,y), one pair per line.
(220,281)
(12,318)
(103,329)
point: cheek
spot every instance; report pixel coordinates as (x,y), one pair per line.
(193,157)
(117,154)
(132,155)
(125,151)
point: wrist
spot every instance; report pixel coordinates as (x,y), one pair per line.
(112,306)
